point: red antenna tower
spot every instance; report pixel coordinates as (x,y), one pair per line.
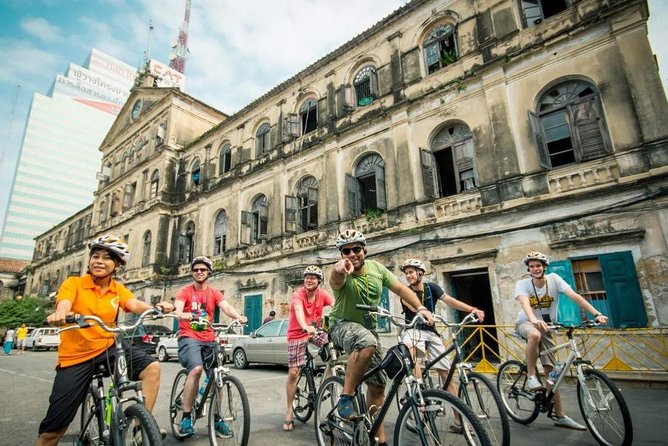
(178,58)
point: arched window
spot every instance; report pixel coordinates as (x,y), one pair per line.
(187,244)
(308,115)
(155,184)
(366,188)
(301,212)
(220,233)
(146,252)
(366,86)
(257,220)
(568,125)
(449,167)
(195,173)
(440,48)
(262,139)
(225,159)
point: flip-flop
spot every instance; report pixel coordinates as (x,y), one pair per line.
(288,425)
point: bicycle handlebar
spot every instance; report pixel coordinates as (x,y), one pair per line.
(469,319)
(583,324)
(233,324)
(82,321)
(395,320)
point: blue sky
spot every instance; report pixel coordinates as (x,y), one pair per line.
(239,49)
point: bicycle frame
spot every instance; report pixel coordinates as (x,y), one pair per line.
(110,426)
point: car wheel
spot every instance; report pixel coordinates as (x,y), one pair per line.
(240,360)
(162,354)
(34,346)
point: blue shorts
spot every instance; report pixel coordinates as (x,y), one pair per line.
(193,353)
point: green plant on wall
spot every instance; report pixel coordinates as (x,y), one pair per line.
(373,214)
(218,265)
(448,57)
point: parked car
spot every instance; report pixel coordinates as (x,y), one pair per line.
(147,336)
(168,348)
(43,338)
(268,345)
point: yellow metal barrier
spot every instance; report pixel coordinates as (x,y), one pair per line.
(637,350)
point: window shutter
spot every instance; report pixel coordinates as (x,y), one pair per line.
(627,309)
(294,125)
(246,218)
(291,206)
(312,195)
(568,311)
(381,201)
(373,85)
(353,194)
(312,216)
(161,134)
(429,176)
(348,97)
(589,127)
(262,230)
(539,140)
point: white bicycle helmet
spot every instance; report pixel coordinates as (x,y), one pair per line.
(535,255)
(204,260)
(112,244)
(315,271)
(350,236)
(415,263)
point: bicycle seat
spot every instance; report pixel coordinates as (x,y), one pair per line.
(101,371)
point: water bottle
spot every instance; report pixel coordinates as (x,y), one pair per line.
(200,393)
(554,374)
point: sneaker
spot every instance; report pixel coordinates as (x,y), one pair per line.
(533,383)
(346,408)
(187,427)
(223,430)
(568,423)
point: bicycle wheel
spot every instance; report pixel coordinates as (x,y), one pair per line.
(229,414)
(302,404)
(604,410)
(176,403)
(481,396)
(518,401)
(89,435)
(444,419)
(330,430)
(140,427)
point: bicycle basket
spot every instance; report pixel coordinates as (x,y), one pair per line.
(397,362)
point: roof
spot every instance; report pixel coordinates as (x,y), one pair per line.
(12,265)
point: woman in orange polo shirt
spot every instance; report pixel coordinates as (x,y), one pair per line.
(82,351)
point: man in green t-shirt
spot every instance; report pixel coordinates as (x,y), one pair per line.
(359,281)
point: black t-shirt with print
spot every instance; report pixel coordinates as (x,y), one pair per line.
(428,297)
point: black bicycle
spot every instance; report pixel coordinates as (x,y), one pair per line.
(108,416)
(303,404)
(429,417)
(224,401)
(601,403)
(475,389)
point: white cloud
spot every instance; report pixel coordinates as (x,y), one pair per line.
(27,62)
(42,29)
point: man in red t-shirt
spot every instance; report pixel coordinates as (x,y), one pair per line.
(306,307)
(198,300)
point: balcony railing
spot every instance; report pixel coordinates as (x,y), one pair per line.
(583,175)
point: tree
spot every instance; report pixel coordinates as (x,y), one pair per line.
(28,310)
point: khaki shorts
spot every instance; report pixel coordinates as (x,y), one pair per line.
(352,337)
(524,328)
(429,342)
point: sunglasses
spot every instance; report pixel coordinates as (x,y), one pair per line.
(200,270)
(356,250)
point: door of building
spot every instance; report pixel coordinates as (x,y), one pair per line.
(473,288)
(253,311)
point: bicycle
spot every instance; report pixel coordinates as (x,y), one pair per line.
(436,415)
(601,403)
(475,389)
(224,398)
(303,404)
(107,416)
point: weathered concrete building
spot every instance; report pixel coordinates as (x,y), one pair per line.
(462,133)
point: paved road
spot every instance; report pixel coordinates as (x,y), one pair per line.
(25,384)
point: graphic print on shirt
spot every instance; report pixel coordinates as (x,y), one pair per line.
(115,301)
(542,302)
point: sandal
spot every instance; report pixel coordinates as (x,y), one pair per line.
(288,425)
